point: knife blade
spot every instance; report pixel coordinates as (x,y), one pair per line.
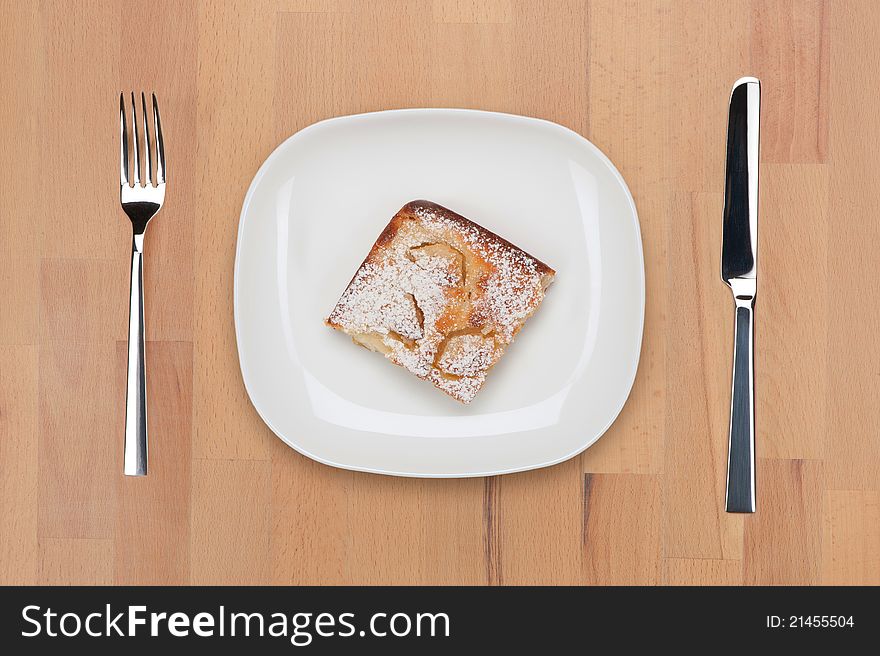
(740,239)
(739,269)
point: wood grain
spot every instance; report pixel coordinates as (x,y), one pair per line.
(619,59)
(231,143)
(24,50)
(534,511)
(388,543)
(316,503)
(78,452)
(853,350)
(697,411)
(783,542)
(789,52)
(230,522)
(76,561)
(145,555)
(701,571)
(621,534)
(791,342)
(851,539)
(19,462)
(647,81)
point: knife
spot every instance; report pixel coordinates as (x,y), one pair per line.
(739,269)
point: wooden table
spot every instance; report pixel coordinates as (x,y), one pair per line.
(226,502)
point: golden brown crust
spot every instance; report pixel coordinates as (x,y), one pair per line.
(441,296)
(412,208)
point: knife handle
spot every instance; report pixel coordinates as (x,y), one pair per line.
(741,447)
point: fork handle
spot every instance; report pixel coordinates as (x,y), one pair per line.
(136,387)
(741,449)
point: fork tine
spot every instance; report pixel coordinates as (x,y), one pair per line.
(123,143)
(137,146)
(160,144)
(148,153)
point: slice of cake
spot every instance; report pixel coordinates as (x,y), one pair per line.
(441,296)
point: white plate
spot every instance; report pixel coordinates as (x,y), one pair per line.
(312,213)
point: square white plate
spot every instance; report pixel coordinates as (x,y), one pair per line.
(311,215)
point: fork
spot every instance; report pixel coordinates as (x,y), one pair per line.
(141,200)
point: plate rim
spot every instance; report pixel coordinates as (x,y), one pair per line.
(258,176)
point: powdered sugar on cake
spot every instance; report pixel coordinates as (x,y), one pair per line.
(414,293)
(513,291)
